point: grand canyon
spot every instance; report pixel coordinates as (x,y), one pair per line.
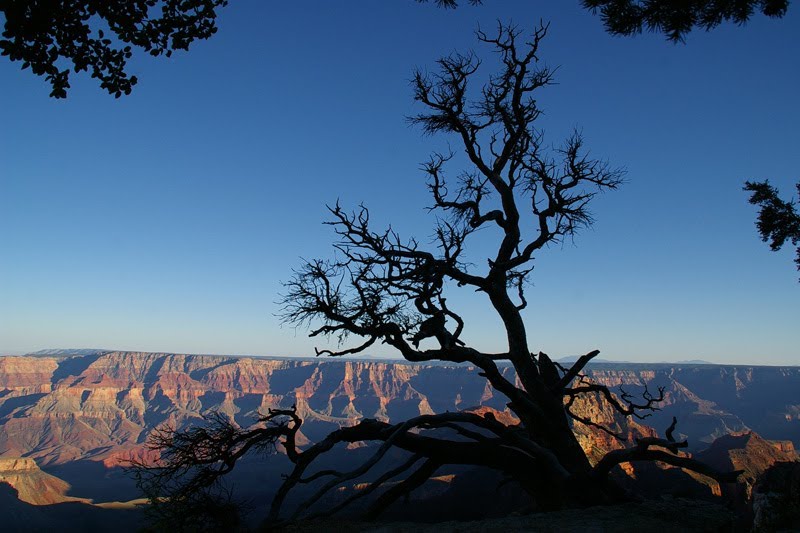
(70,421)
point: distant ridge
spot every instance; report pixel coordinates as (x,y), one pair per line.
(72,352)
(573,358)
(68,352)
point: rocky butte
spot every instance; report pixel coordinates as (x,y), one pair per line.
(77,416)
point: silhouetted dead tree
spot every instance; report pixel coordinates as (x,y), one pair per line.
(382,289)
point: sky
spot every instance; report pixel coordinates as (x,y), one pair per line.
(167,220)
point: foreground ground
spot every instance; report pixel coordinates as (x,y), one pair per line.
(669,515)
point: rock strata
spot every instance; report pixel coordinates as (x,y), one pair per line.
(102,406)
(32,485)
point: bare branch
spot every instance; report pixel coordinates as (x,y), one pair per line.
(576,369)
(588,422)
(366,491)
(616,457)
(671,428)
(193,461)
(643,452)
(624,404)
(422,474)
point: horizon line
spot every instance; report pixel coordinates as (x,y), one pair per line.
(395,359)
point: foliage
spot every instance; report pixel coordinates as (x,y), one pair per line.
(778,220)
(677,19)
(99,36)
(52,37)
(450,4)
(673,18)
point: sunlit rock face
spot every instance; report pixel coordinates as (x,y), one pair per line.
(597,442)
(33,485)
(748,452)
(714,400)
(102,406)
(20,376)
(754,456)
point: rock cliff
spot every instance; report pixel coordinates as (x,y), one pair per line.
(101,406)
(32,485)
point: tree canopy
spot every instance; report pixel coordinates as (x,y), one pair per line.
(677,19)
(54,37)
(778,220)
(673,19)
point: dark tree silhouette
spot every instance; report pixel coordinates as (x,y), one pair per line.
(778,220)
(450,4)
(380,288)
(673,18)
(677,18)
(52,37)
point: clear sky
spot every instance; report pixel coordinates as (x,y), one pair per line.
(166,220)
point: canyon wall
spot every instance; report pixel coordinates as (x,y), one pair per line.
(102,406)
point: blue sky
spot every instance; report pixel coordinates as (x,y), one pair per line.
(166,220)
